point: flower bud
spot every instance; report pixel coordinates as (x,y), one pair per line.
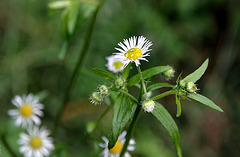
(149,94)
(169,73)
(148,105)
(96,98)
(120,82)
(103,90)
(182,83)
(191,87)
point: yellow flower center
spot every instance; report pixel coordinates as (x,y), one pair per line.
(36,142)
(133,53)
(117,148)
(26,110)
(118,64)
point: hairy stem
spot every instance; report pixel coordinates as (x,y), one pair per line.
(163,95)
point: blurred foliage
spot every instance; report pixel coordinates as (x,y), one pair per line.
(184,34)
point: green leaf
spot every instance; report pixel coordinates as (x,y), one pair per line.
(169,124)
(59,4)
(179,109)
(107,75)
(72,18)
(126,71)
(158,85)
(63,50)
(123,109)
(148,73)
(197,74)
(202,99)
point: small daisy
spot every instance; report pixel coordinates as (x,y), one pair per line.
(28,110)
(114,64)
(133,50)
(116,150)
(36,143)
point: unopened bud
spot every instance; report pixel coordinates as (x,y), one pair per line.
(96,98)
(169,73)
(191,87)
(148,105)
(120,82)
(103,90)
(182,83)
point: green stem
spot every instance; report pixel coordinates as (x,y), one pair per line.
(81,57)
(130,129)
(142,81)
(7,146)
(163,95)
(136,114)
(129,95)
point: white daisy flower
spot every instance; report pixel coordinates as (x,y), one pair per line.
(133,50)
(114,64)
(116,150)
(28,110)
(36,143)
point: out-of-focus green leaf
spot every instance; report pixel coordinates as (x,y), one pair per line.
(59,4)
(126,71)
(158,85)
(122,111)
(179,108)
(169,124)
(72,18)
(197,74)
(202,99)
(107,75)
(148,73)
(63,50)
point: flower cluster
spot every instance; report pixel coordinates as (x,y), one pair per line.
(36,142)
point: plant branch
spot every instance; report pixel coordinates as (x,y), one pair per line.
(82,55)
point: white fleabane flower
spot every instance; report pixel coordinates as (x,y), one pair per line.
(116,150)
(133,50)
(114,64)
(28,110)
(36,143)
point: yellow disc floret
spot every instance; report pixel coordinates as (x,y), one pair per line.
(117,148)
(118,64)
(35,142)
(133,53)
(26,110)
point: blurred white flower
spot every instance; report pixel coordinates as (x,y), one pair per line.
(116,150)
(36,143)
(28,110)
(114,64)
(133,50)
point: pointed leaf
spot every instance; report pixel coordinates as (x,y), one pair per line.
(72,18)
(202,99)
(107,75)
(169,124)
(126,71)
(123,109)
(148,73)
(158,85)
(197,74)
(179,108)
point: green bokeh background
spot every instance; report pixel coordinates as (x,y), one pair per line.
(184,34)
